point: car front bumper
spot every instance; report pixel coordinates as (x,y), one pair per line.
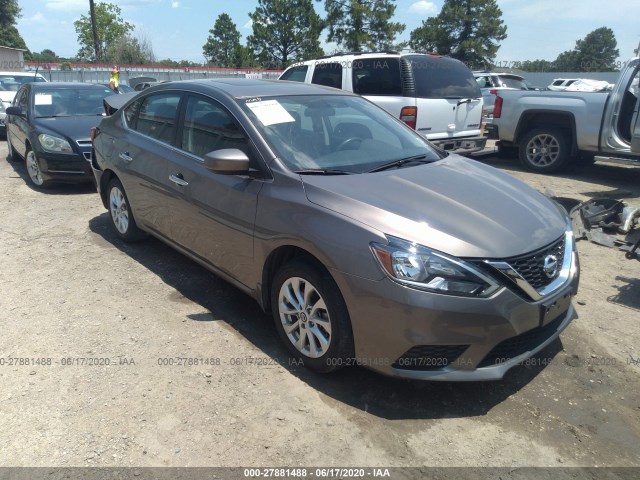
(67,168)
(462,145)
(408,333)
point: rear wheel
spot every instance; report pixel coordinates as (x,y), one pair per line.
(544,150)
(311,316)
(121,214)
(33,170)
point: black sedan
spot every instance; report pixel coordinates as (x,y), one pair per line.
(49,125)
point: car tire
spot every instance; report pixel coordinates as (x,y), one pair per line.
(545,150)
(311,316)
(33,170)
(120,213)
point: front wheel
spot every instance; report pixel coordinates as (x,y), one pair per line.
(544,150)
(311,316)
(34,172)
(120,213)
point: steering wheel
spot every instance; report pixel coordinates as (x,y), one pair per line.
(348,141)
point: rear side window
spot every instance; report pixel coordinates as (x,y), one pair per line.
(442,77)
(377,76)
(157,116)
(328,74)
(295,74)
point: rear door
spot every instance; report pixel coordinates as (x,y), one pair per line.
(448,98)
(142,154)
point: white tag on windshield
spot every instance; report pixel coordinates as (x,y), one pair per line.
(270,112)
(43,99)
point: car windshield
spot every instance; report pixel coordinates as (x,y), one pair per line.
(334,134)
(12,83)
(67,102)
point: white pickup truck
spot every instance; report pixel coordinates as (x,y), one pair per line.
(551,128)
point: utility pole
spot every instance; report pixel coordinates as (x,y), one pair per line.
(94,29)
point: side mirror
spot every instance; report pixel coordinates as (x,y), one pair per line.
(227,161)
(17,111)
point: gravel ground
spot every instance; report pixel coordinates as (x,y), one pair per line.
(71,290)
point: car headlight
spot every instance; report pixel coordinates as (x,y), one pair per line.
(54,144)
(420,267)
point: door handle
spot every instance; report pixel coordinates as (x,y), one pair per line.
(178,180)
(125,156)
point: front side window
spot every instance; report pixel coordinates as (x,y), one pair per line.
(377,76)
(156,116)
(21,100)
(208,127)
(328,74)
(332,132)
(295,74)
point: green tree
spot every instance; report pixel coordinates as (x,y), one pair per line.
(359,25)
(598,51)
(469,30)
(285,31)
(9,35)
(222,42)
(111,30)
(130,50)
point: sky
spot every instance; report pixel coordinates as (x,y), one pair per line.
(177,29)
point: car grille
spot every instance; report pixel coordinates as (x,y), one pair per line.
(429,357)
(530,266)
(525,342)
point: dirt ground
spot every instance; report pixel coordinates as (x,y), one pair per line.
(71,291)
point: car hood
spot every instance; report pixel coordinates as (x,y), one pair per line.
(75,128)
(455,205)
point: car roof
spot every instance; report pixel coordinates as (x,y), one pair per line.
(249,88)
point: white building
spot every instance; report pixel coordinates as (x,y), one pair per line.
(11,59)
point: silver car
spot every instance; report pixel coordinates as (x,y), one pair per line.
(367,245)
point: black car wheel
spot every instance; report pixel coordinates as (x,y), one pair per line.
(121,214)
(311,316)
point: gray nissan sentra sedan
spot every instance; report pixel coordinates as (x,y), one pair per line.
(366,244)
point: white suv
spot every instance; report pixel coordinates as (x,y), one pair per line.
(437,96)
(10,82)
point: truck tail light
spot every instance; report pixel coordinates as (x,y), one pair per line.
(94,130)
(493,91)
(409,115)
(497,107)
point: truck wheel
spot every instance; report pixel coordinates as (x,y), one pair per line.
(544,150)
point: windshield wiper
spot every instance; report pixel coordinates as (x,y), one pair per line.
(400,163)
(323,171)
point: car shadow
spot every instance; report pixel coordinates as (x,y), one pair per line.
(623,181)
(627,295)
(20,168)
(385,397)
